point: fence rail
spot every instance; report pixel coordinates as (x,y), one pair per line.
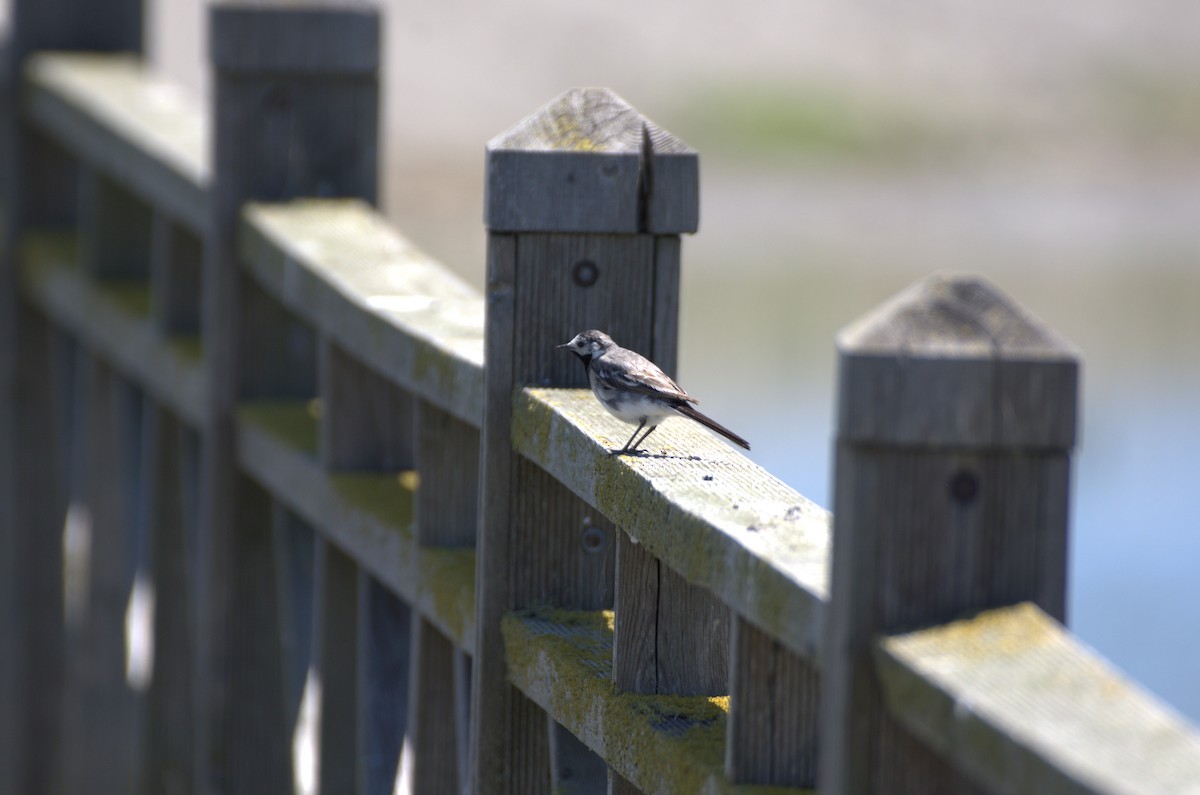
(253,396)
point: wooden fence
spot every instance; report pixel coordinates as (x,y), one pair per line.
(228,382)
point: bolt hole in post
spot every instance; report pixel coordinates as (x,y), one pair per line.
(594,539)
(585,273)
(964,487)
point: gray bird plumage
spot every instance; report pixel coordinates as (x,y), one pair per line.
(635,390)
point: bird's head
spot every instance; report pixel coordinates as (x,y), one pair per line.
(588,344)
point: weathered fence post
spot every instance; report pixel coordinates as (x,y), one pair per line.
(585,201)
(295,113)
(39,190)
(956,418)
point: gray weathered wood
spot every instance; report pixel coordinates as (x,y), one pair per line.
(586,162)
(431,698)
(115,230)
(351,276)
(119,117)
(751,538)
(111,320)
(99,737)
(589,162)
(447,510)
(278,132)
(1011,697)
(388,624)
(366,422)
(294,545)
(773,704)
(255,747)
(175,277)
(338,660)
(574,769)
(169,728)
(956,416)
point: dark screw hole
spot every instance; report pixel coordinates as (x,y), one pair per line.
(964,486)
(585,273)
(594,539)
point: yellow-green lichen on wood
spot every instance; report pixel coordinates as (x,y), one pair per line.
(710,514)
(114,319)
(292,422)
(448,592)
(1012,699)
(669,744)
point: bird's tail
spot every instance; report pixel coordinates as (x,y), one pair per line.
(688,411)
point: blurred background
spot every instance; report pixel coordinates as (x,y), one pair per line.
(848,149)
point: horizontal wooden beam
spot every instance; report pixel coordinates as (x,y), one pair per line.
(128,123)
(1014,701)
(345,271)
(367,515)
(703,509)
(562,660)
(113,318)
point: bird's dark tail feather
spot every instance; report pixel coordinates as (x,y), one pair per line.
(687,411)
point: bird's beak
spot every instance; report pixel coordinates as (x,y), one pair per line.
(564,345)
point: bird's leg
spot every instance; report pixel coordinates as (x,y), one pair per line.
(627,448)
(644,435)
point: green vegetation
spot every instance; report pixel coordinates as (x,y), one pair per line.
(774,120)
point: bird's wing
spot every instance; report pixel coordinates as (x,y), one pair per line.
(633,372)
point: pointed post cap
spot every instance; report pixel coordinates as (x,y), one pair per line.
(589,162)
(954,362)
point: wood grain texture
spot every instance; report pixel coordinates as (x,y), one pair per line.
(321,39)
(701,507)
(124,120)
(773,707)
(447,512)
(338,660)
(952,361)
(1010,696)
(294,544)
(587,161)
(491,695)
(671,637)
(433,719)
(656,744)
(367,424)
(950,496)
(277,134)
(340,266)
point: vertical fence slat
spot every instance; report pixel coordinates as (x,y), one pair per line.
(39,187)
(772,730)
(388,659)
(295,113)
(170,721)
(338,658)
(99,737)
(115,230)
(175,278)
(572,245)
(955,422)
(446,516)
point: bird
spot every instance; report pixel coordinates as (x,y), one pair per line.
(634,389)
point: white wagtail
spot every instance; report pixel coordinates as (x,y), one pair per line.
(634,389)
